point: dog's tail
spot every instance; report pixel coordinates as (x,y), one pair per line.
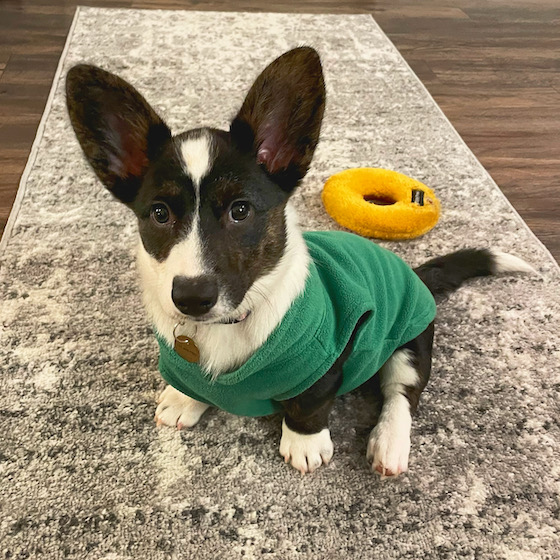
(444,275)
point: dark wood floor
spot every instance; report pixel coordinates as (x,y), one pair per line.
(492,66)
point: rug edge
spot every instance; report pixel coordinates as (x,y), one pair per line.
(519,218)
(247,12)
(14,212)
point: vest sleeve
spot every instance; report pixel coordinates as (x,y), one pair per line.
(312,364)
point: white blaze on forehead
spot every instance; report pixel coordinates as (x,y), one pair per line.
(197,157)
(187,258)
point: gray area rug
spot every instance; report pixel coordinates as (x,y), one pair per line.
(84,472)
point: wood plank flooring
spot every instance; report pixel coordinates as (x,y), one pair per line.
(493,68)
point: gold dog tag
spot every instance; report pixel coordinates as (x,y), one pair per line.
(186,348)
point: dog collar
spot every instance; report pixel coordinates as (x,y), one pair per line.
(240,319)
(186,347)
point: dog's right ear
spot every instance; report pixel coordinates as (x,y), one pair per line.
(118,131)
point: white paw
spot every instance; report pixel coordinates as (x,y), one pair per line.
(389,447)
(306,452)
(176,409)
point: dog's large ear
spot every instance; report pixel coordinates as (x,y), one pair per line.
(281,116)
(118,130)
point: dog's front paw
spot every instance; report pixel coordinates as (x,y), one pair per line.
(176,409)
(388,449)
(306,452)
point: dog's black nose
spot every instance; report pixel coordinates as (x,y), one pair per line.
(194,296)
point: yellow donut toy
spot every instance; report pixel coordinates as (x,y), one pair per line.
(380,203)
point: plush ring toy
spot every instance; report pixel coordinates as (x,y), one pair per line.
(380,203)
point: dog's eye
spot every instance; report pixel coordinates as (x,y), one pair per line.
(160,213)
(239,210)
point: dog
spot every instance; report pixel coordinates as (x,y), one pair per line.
(223,264)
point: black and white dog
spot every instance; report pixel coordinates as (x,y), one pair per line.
(220,250)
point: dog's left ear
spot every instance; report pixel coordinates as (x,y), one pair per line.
(280,119)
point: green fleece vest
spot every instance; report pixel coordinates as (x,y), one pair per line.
(348,277)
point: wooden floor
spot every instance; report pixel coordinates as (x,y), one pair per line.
(492,66)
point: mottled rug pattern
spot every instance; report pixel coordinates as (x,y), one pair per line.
(84,472)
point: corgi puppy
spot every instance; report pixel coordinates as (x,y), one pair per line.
(277,320)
